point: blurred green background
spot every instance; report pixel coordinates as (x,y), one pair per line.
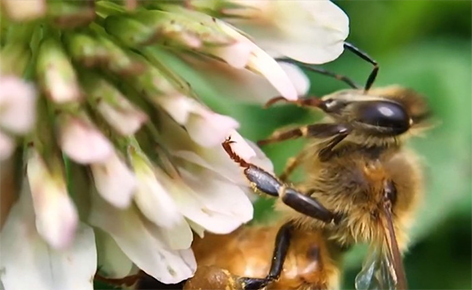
(425,45)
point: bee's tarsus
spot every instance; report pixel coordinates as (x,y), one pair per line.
(228,140)
(311,101)
(235,157)
(273,101)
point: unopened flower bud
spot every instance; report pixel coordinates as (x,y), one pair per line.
(117,60)
(82,141)
(235,50)
(151,196)
(154,83)
(180,29)
(84,49)
(129,30)
(71,14)
(115,182)
(56,215)
(56,73)
(24,10)
(17,105)
(120,113)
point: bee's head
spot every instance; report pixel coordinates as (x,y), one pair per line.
(384,112)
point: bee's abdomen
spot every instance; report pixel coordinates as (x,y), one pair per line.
(248,253)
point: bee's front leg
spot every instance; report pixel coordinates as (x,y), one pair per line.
(267,183)
(320,131)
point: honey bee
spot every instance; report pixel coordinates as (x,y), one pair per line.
(362,186)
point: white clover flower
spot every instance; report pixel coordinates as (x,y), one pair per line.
(17,112)
(307,31)
(118,162)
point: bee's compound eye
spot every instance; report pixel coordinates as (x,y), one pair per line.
(390,116)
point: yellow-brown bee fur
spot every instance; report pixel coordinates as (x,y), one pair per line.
(352,183)
(352,180)
(311,263)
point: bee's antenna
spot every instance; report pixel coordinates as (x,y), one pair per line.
(366,57)
(346,80)
(322,71)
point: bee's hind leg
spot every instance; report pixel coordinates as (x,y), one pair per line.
(282,243)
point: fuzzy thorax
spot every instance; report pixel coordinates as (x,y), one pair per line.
(353,185)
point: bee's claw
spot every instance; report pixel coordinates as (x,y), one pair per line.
(254,283)
(273,101)
(229,141)
(263,142)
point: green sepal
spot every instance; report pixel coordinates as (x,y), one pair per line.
(15,58)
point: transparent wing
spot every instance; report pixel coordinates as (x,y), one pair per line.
(377,270)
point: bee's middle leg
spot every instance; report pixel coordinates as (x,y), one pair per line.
(291,165)
(319,130)
(282,243)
